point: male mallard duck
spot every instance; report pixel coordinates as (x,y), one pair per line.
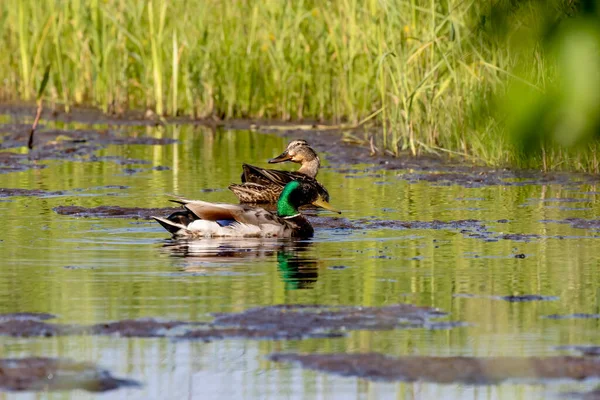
(260,185)
(204,219)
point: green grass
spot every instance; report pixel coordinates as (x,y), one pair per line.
(430,68)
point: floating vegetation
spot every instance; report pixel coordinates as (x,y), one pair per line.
(43,374)
(593,224)
(113,211)
(522,298)
(282,322)
(573,316)
(10,192)
(447,370)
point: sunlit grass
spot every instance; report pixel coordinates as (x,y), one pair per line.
(428,67)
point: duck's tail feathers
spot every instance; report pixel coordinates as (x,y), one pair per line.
(179,200)
(170,226)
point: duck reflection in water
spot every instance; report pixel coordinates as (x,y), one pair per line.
(297,269)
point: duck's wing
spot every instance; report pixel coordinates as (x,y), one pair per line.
(231,212)
(210,211)
(265,176)
(250,192)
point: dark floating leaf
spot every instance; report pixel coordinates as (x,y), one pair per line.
(527,297)
(593,224)
(559,200)
(9,192)
(37,373)
(26,316)
(122,187)
(121,160)
(520,237)
(573,316)
(446,370)
(510,298)
(338,267)
(78,267)
(131,171)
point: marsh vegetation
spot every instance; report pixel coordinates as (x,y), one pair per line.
(504,82)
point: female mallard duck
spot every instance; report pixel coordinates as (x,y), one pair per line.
(260,185)
(203,219)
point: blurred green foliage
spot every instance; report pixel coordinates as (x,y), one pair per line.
(553,109)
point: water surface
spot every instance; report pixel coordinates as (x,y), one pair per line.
(90,270)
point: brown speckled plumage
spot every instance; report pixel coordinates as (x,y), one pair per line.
(261,185)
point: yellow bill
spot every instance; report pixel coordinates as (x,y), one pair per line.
(319,202)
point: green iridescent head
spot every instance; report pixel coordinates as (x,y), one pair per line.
(300,193)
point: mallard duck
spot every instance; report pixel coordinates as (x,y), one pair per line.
(204,219)
(261,185)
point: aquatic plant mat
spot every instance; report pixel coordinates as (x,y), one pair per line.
(447,370)
(40,373)
(72,144)
(280,322)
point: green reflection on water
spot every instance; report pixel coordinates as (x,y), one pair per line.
(120,268)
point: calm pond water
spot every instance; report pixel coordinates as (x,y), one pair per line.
(89,270)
